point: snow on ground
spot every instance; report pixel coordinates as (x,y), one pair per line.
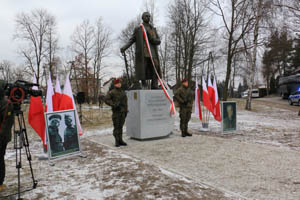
(258,161)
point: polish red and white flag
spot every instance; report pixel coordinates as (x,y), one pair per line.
(67,102)
(36,117)
(216,104)
(205,96)
(49,96)
(211,93)
(56,98)
(197,102)
(49,103)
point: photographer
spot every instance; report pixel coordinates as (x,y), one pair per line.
(6,122)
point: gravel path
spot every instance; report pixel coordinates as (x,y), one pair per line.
(261,160)
(247,170)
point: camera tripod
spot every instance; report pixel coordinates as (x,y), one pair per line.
(20,140)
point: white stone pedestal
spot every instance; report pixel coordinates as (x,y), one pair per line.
(149,114)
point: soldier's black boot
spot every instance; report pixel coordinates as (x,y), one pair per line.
(183,134)
(117,142)
(188,134)
(121,141)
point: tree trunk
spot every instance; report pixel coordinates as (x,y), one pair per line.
(253,64)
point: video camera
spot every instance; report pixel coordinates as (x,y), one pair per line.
(20,89)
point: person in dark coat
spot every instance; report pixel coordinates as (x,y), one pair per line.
(143,66)
(6,123)
(117,99)
(184,96)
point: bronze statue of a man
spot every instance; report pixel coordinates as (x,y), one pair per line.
(144,68)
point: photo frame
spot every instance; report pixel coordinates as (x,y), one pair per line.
(229,116)
(62,134)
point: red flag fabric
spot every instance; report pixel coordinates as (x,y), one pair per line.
(197,102)
(211,93)
(36,115)
(216,105)
(67,102)
(56,98)
(205,96)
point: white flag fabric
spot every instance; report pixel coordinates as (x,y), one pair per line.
(56,98)
(67,102)
(50,93)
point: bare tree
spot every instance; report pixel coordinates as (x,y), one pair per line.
(188,26)
(102,50)
(7,71)
(125,35)
(83,43)
(260,10)
(291,11)
(165,54)
(150,6)
(32,29)
(52,48)
(237,24)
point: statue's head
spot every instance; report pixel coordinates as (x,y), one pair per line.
(146,17)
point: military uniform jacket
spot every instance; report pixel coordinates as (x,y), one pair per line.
(6,120)
(117,99)
(141,49)
(184,96)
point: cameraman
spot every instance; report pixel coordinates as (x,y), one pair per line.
(6,122)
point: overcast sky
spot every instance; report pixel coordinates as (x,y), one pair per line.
(70,13)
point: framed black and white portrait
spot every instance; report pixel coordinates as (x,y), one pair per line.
(62,134)
(228,116)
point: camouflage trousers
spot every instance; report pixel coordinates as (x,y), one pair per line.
(118,119)
(185,116)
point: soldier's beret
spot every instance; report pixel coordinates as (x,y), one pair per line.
(67,116)
(116,81)
(184,80)
(55,117)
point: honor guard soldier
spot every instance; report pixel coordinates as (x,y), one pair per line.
(117,99)
(6,122)
(184,97)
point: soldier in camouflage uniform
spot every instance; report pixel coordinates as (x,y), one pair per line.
(70,134)
(6,122)
(184,97)
(117,99)
(54,137)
